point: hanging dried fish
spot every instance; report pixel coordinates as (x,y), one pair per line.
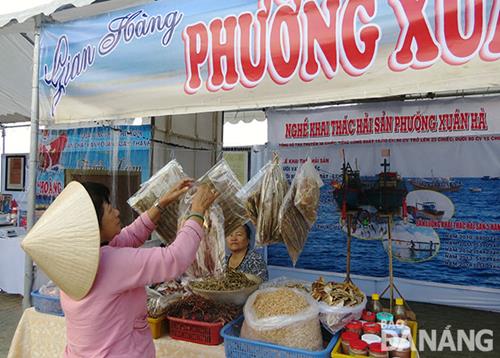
(223,179)
(273,190)
(164,180)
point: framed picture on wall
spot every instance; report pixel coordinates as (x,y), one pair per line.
(15,172)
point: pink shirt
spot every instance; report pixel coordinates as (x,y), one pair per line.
(111,320)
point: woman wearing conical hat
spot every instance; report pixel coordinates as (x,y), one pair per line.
(101,270)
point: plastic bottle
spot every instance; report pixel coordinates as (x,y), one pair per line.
(375,306)
(399,310)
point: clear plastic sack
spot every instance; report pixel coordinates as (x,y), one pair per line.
(154,188)
(158,303)
(283,281)
(334,318)
(50,289)
(300,330)
(273,189)
(299,210)
(222,178)
(308,184)
(250,193)
(211,253)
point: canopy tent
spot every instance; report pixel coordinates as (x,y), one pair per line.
(23,28)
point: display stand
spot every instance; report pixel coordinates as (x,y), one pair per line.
(392,287)
(349,237)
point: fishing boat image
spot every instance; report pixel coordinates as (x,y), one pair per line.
(476,190)
(440,184)
(387,192)
(426,211)
(349,191)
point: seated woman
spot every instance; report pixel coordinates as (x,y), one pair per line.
(242,257)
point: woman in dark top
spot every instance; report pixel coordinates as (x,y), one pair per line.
(242,257)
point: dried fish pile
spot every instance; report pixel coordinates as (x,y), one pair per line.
(343,294)
(164,180)
(280,302)
(230,280)
(222,178)
(197,308)
(273,190)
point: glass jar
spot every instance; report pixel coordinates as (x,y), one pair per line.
(374,305)
(399,310)
(346,337)
(355,326)
(371,338)
(378,350)
(400,347)
(358,348)
(368,316)
(372,328)
(385,317)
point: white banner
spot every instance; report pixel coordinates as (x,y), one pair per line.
(422,120)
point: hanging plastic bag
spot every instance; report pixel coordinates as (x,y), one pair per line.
(154,188)
(302,198)
(211,253)
(308,183)
(286,316)
(250,193)
(222,178)
(273,189)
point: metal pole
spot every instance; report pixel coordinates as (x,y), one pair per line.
(391,272)
(348,258)
(33,161)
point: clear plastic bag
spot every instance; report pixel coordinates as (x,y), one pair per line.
(250,193)
(283,281)
(158,303)
(308,182)
(273,189)
(299,210)
(50,289)
(222,178)
(334,318)
(164,180)
(301,330)
(211,253)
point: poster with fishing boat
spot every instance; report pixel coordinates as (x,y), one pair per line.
(440,190)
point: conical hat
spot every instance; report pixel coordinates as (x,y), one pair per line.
(65,241)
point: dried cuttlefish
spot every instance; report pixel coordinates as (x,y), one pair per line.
(344,294)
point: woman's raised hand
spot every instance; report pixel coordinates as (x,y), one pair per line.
(204,197)
(173,194)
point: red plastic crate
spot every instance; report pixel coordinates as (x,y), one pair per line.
(195,331)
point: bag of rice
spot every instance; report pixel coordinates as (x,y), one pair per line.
(284,316)
(164,180)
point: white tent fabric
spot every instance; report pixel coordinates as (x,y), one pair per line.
(16,60)
(16,45)
(21,10)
